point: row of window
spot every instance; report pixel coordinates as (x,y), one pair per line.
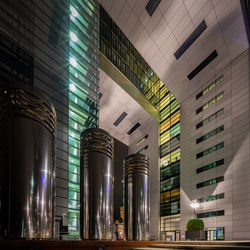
(83,94)
(142,140)
(210,182)
(209,103)
(210,134)
(143,149)
(209,87)
(210,118)
(210,166)
(210,214)
(210,150)
(211,198)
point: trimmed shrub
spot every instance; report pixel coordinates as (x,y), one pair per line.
(195,224)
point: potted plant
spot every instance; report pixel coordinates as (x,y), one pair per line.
(195,230)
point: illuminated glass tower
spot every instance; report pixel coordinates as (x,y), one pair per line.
(83,93)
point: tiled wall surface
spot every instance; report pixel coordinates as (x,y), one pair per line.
(235,153)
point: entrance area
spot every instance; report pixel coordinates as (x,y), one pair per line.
(170,235)
(216,233)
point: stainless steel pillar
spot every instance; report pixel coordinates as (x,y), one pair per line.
(136,197)
(96,185)
(27,130)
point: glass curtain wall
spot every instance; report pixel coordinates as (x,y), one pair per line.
(120,51)
(169,128)
(83,94)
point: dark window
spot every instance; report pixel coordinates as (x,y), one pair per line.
(16,64)
(120,119)
(191,39)
(151,6)
(137,125)
(210,214)
(210,134)
(211,198)
(202,65)
(210,118)
(210,150)
(210,182)
(210,166)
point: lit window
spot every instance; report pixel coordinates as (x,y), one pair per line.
(73,61)
(73,36)
(72,87)
(73,11)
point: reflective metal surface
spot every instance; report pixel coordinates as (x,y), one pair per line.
(26,163)
(136,197)
(96,185)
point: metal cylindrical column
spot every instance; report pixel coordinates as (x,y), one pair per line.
(136,197)
(27,147)
(96,185)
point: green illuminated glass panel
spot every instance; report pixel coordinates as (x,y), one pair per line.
(211,198)
(83,94)
(210,166)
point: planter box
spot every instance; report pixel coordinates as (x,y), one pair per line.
(195,235)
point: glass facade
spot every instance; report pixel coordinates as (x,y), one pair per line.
(169,129)
(119,50)
(83,94)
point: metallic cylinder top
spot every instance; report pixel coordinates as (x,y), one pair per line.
(96,140)
(21,99)
(136,163)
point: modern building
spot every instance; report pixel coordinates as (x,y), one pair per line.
(166,78)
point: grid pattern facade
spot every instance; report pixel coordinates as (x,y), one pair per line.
(83,94)
(120,51)
(169,129)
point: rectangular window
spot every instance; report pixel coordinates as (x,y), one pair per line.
(210,103)
(210,166)
(210,150)
(141,140)
(209,87)
(211,214)
(142,150)
(210,134)
(210,182)
(210,118)
(211,198)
